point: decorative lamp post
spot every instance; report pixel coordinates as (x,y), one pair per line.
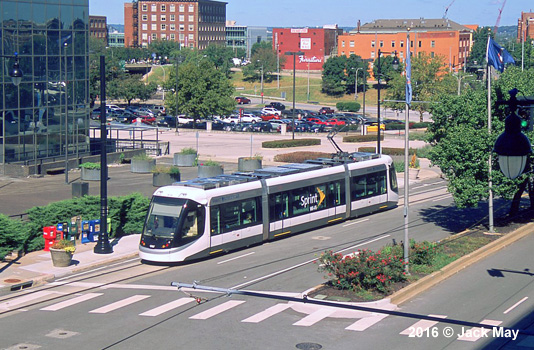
(356,84)
(16,78)
(179,59)
(294,54)
(103,246)
(512,146)
(395,65)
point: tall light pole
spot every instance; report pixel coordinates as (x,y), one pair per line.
(294,54)
(103,246)
(262,83)
(178,61)
(356,84)
(16,78)
(395,64)
(66,117)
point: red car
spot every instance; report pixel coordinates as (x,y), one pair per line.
(145,119)
(326,110)
(267,117)
(242,100)
(334,121)
(315,120)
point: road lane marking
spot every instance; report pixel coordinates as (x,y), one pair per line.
(421,325)
(70,302)
(515,305)
(315,317)
(478,332)
(355,222)
(119,304)
(265,314)
(167,307)
(366,322)
(217,310)
(234,258)
(26,299)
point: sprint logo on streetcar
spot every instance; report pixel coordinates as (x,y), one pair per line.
(204,216)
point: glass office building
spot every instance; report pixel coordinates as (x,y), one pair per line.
(47,115)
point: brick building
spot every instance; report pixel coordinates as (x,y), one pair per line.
(98,27)
(525,26)
(193,23)
(436,37)
(317,44)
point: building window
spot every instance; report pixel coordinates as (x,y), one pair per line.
(154,36)
(381,43)
(191,37)
(144,17)
(181,27)
(372,43)
(144,26)
(181,8)
(432,54)
(351,44)
(173,18)
(181,18)
(153,8)
(172,8)
(163,18)
(372,54)
(392,43)
(191,28)
(163,26)
(153,26)
(162,36)
(163,8)
(420,44)
(144,36)
(191,18)
(154,18)
(352,52)
(144,7)
(342,53)
(173,26)
(432,43)
(173,37)
(402,43)
(181,36)
(191,8)
(342,44)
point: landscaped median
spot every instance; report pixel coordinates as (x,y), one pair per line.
(370,276)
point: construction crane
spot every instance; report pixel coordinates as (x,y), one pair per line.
(499,18)
(447,9)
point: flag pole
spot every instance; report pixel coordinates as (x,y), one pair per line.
(406,249)
(490,181)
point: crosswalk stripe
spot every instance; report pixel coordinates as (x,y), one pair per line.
(265,314)
(421,325)
(119,304)
(366,322)
(314,317)
(70,302)
(217,310)
(167,307)
(476,333)
(25,299)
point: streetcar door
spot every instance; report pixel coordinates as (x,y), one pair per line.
(279,211)
(216,232)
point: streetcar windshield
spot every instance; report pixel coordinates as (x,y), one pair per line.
(163,215)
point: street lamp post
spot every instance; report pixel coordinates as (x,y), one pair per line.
(294,54)
(178,61)
(356,84)
(379,73)
(16,78)
(103,246)
(66,117)
(262,83)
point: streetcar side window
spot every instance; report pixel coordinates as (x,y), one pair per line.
(278,206)
(193,223)
(393,179)
(368,185)
(235,215)
(215,221)
(336,194)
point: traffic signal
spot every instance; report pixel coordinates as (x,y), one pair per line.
(526,115)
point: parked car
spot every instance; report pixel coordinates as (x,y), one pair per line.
(262,127)
(326,110)
(241,100)
(146,119)
(374,127)
(278,105)
(271,110)
(159,110)
(250,118)
(270,117)
(334,121)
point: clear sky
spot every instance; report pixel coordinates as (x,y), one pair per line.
(346,13)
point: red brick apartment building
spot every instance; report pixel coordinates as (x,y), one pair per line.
(316,43)
(436,37)
(525,26)
(98,27)
(193,23)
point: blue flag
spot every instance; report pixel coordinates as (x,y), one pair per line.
(408,74)
(497,56)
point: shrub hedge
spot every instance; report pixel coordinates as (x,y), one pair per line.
(348,106)
(361,138)
(127,214)
(291,143)
(299,157)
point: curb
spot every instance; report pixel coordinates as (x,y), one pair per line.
(433,279)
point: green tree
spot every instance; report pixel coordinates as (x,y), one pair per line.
(131,87)
(462,144)
(261,45)
(477,56)
(262,57)
(221,56)
(387,70)
(163,48)
(334,76)
(113,68)
(13,235)
(203,90)
(355,64)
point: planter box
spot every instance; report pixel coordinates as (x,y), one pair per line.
(181,159)
(90,174)
(142,165)
(248,164)
(209,170)
(164,179)
(60,257)
(80,189)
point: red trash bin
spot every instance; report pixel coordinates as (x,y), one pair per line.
(49,235)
